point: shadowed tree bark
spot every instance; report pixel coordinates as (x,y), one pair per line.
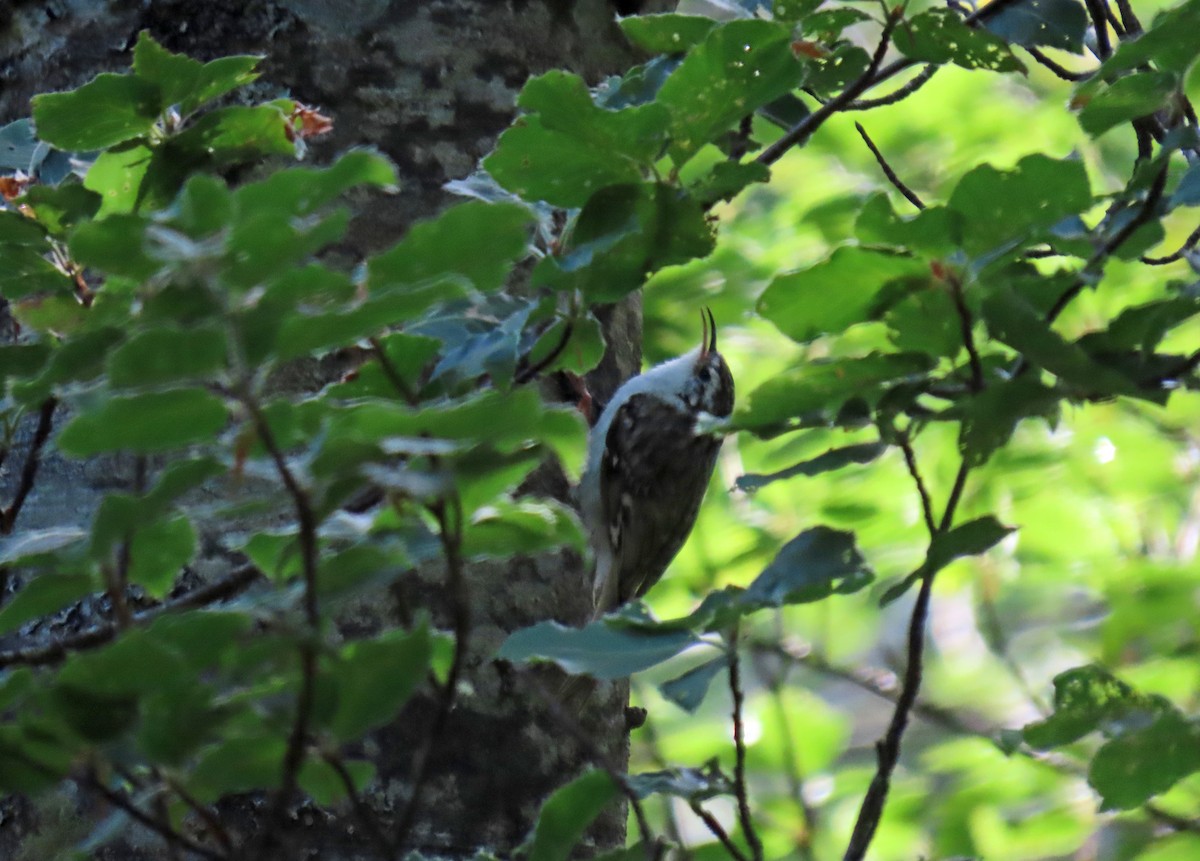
(432,85)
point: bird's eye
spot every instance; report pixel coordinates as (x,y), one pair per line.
(705,374)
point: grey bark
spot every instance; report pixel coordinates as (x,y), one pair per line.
(431,84)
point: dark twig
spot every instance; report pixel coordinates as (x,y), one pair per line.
(1061,71)
(210,819)
(887,749)
(713,824)
(910,460)
(1189,244)
(162,829)
(909,194)
(57,650)
(368,820)
(800,132)
(1130,21)
(393,374)
(450,525)
(741,790)
(966,326)
(527,374)
(306,520)
(29,470)
(1097,11)
(901,93)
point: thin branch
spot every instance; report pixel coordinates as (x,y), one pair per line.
(1189,244)
(714,826)
(739,746)
(450,531)
(393,374)
(920,80)
(306,519)
(55,651)
(888,748)
(29,470)
(1132,25)
(909,194)
(368,820)
(966,326)
(526,375)
(1061,71)
(910,460)
(803,129)
(1097,10)
(162,829)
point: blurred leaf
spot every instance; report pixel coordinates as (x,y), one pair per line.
(115,245)
(156,421)
(1127,98)
(1137,765)
(116,175)
(967,539)
(158,552)
(728,179)
(237,765)
(568,812)
(1187,193)
(16,229)
(375,677)
(167,354)
(1161,43)
(600,649)
(61,207)
(1052,23)
(817,563)
(108,110)
(474,240)
(688,691)
(524,527)
(836,293)
(27,272)
(1086,699)
(941,36)
(739,67)
(988,418)
(822,387)
(933,231)
(325,786)
(28,545)
(1011,319)
(833,459)
(999,209)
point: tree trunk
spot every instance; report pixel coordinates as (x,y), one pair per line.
(432,85)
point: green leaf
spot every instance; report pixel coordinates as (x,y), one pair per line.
(933,231)
(325,786)
(567,813)
(601,649)
(836,293)
(941,36)
(665,33)
(738,68)
(1137,765)
(1053,23)
(1012,320)
(522,527)
(237,765)
(968,539)
(1086,699)
(1000,209)
(21,360)
(474,241)
(26,272)
(157,421)
(688,691)
(728,179)
(375,677)
(45,594)
(108,110)
(988,418)
(116,175)
(302,191)
(61,207)
(115,245)
(158,552)
(820,388)
(16,229)
(185,82)
(1162,43)
(834,459)
(817,563)
(1127,98)
(567,147)
(793,10)
(167,354)
(623,234)
(233,135)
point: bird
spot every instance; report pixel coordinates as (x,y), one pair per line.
(648,465)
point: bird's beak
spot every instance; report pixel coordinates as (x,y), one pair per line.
(708,333)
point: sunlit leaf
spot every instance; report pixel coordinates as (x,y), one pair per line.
(568,812)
